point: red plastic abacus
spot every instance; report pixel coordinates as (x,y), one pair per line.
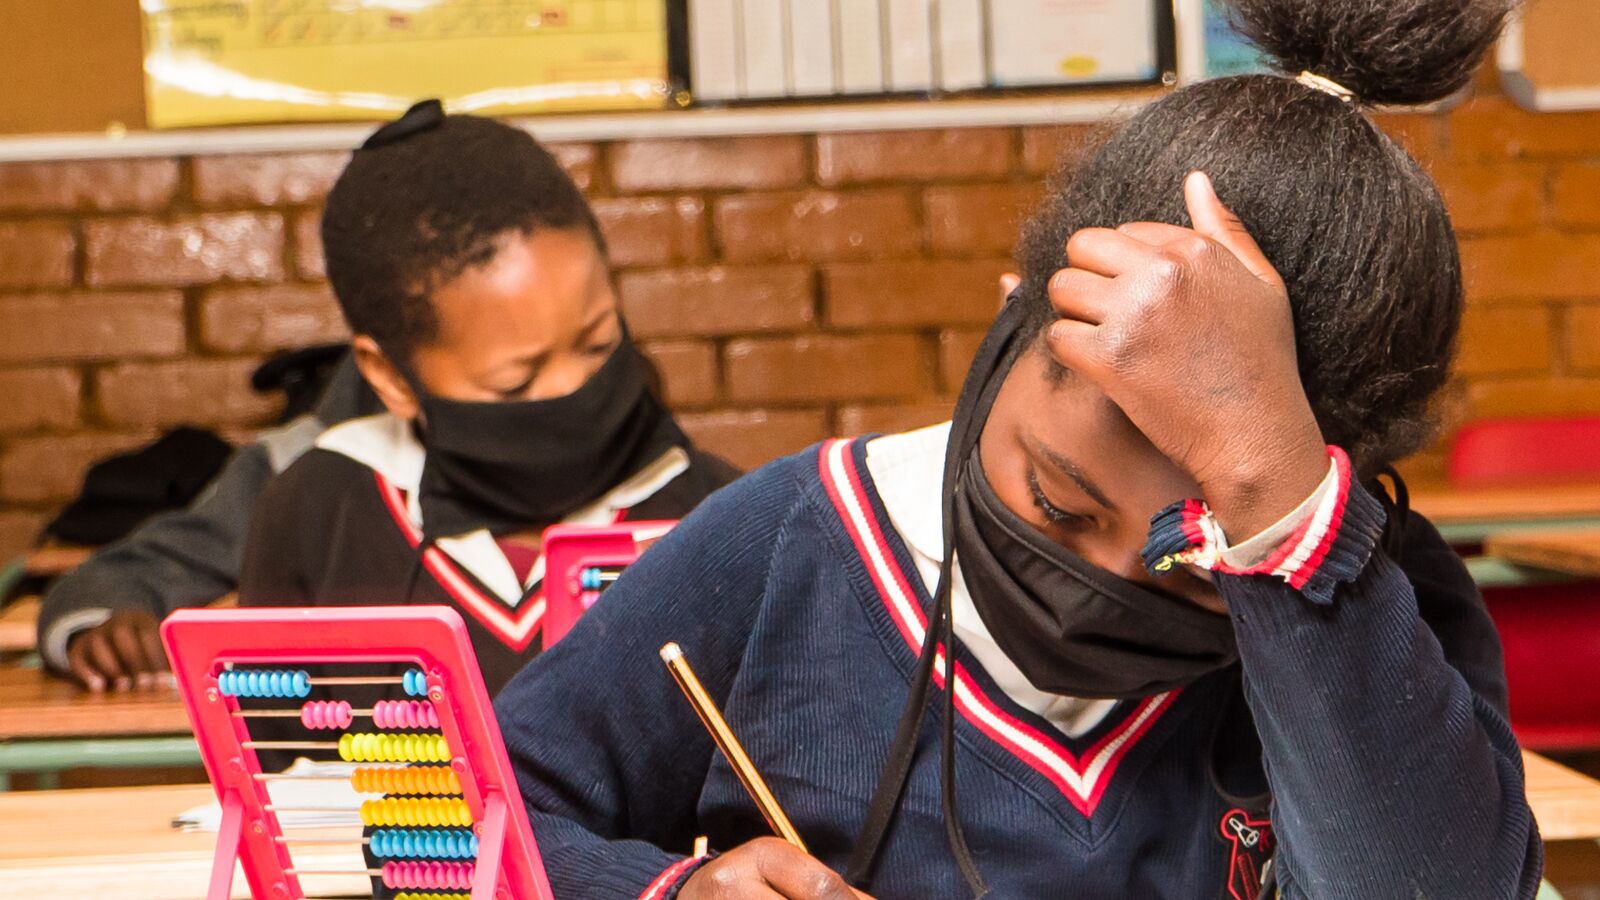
(581,561)
(451,819)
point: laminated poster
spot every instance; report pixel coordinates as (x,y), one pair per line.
(1043,42)
(212,62)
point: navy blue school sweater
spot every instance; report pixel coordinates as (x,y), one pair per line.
(1361,745)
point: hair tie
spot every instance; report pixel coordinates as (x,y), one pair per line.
(1326,85)
(424,115)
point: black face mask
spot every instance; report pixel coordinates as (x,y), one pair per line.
(1071,627)
(514,464)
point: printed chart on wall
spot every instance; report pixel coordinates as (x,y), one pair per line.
(210,62)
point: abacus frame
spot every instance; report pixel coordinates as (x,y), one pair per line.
(568,549)
(201,643)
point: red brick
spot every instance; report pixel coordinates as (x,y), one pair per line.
(688,371)
(653,231)
(1532,267)
(852,158)
(1534,397)
(1581,335)
(190,250)
(39,398)
(956,350)
(707,163)
(580,161)
(19,531)
(85,326)
(308,261)
(35,254)
(912,294)
(892,419)
(825,367)
(817,225)
(978,220)
(1496,128)
(1500,340)
(749,438)
(282,179)
(718,301)
(259,319)
(105,185)
(1043,146)
(49,468)
(1498,197)
(188,391)
(1575,196)
(1421,134)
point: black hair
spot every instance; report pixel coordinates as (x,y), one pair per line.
(1354,226)
(410,215)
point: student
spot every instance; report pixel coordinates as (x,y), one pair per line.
(99,623)
(1140,709)
(474,279)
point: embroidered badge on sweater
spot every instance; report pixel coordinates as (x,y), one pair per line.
(1250,847)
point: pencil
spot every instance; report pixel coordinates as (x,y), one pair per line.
(706,709)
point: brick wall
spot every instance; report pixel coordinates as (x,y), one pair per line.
(790,287)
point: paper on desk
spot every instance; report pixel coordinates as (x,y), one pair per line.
(320,786)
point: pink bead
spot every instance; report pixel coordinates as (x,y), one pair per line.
(326,714)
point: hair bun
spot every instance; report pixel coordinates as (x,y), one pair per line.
(1385,51)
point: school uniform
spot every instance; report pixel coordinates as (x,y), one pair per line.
(1385,767)
(343,526)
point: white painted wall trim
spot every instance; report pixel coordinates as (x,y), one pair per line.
(894,115)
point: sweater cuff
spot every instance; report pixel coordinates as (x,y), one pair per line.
(671,880)
(1329,548)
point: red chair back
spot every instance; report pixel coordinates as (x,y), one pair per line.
(1551,635)
(1510,450)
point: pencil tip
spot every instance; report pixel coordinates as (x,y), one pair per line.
(671,651)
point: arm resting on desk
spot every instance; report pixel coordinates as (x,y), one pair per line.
(1393,770)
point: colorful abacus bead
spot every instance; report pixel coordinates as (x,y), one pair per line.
(428,875)
(404,714)
(413,895)
(326,714)
(410,780)
(416,812)
(424,843)
(264,683)
(369,747)
(415,683)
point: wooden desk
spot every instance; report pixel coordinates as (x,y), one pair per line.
(35,705)
(19,624)
(120,842)
(52,561)
(1508,505)
(1575,552)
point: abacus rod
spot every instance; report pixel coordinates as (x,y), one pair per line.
(308,809)
(367,872)
(291,745)
(284,839)
(284,713)
(357,679)
(284,776)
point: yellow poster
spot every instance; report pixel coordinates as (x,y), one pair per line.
(211,62)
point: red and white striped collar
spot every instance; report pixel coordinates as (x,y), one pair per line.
(1081,778)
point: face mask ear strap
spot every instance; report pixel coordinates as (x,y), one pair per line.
(989,367)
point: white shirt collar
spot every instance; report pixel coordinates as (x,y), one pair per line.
(387,445)
(908,472)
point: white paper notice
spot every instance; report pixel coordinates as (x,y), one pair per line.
(910,45)
(961,64)
(713,50)
(765,63)
(811,47)
(1067,41)
(859,26)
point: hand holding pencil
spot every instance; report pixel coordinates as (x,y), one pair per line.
(765,867)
